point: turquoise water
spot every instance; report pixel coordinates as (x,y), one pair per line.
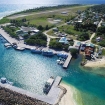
(30,72)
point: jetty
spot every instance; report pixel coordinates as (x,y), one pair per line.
(22,46)
(67,61)
(53,97)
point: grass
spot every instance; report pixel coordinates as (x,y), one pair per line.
(69,29)
(4,20)
(37,18)
(39,21)
(103,52)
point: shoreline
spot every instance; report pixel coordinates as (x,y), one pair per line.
(96,63)
(70,97)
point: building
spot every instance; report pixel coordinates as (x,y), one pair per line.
(24,30)
(64,40)
(89,50)
(77,45)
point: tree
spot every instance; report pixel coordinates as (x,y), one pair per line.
(40,27)
(74,52)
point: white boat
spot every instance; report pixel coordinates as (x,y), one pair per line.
(5,81)
(48,85)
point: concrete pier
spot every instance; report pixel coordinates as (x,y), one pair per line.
(52,98)
(67,61)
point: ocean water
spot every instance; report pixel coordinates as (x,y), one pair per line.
(30,71)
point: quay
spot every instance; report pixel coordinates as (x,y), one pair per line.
(67,61)
(53,98)
(21,46)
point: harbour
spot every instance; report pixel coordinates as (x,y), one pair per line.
(19,45)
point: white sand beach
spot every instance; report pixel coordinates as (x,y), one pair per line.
(68,98)
(96,63)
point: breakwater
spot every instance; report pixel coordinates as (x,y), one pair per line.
(12,95)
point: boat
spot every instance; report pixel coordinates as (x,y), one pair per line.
(48,85)
(62,55)
(8,47)
(5,81)
(47,53)
(37,51)
(60,61)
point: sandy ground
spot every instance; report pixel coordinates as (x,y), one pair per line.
(68,98)
(96,63)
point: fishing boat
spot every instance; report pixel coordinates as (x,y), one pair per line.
(48,85)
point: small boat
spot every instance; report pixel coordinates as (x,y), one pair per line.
(60,62)
(48,85)
(8,47)
(5,81)
(62,55)
(47,53)
(37,51)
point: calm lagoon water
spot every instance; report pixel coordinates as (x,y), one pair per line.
(30,72)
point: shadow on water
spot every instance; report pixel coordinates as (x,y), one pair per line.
(85,81)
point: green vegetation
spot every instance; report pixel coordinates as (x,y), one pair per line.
(11,31)
(54,43)
(100,33)
(38,39)
(74,52)
(69,29)
(99,8)
(103,51)
(83,37)
(4,20)
(85,27)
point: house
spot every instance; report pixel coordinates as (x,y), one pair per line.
(103,23)
(77,45)
(89,50)
(98,39)
(55,29)
(83,45)
(24,30)
(64,40)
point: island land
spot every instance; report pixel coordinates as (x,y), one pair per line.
(75,30)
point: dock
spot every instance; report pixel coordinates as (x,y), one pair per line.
(21,46)
(67,61)
(53,97)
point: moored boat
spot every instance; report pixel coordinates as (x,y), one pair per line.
(62,55)
(48,85)
(47,53)
(37,51)
(5,81)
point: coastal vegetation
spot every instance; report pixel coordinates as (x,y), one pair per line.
(38,39)
(11,31)
(4,20)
